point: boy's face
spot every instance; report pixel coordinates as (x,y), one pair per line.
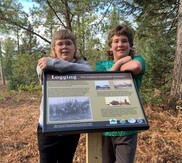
(120,47)
(65,49)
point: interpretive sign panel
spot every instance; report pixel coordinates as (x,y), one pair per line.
(79,102)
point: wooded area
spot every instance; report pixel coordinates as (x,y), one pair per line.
(25,37)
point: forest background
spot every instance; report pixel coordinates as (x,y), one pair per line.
(26,36)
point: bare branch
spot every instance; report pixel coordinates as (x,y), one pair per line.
(22,27)
(55,13)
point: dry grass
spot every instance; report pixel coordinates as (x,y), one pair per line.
(162,143)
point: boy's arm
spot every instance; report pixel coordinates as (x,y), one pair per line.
(119,63)
(133,66)
(136,65)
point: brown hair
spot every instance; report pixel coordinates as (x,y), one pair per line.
(121,29)
(62,34)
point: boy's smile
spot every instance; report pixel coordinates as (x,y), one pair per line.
(120,47)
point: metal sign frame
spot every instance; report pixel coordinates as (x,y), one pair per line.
(82,102)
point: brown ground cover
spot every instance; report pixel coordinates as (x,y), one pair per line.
(162,143)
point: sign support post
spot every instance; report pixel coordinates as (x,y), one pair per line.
(94,147)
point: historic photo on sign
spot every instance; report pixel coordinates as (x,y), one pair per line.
(69,109)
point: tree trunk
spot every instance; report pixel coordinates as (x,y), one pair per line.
(1,67)
(176,89)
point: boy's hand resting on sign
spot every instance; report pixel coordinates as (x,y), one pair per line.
(42,62)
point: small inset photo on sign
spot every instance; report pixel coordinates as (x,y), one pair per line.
(102,84)
(117,101)
(118,84)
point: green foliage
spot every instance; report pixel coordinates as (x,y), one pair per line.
(10,14)
(2,96)
(24,71)
(8,46)
(114,20)
(28,42)
(33,87)
(155,36)
(156,42)
(155,97)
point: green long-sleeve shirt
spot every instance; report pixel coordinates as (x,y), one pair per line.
(106,65)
